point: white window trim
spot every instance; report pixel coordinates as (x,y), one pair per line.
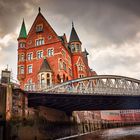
(19,68)
(48,50)
(28,69)
(37,54)
(27,56)
(39,39)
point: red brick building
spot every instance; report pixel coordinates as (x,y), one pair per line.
(44,58)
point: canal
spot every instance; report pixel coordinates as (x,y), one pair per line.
(126,133)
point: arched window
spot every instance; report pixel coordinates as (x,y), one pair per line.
(60,64)
(48,79)
(58,78)
(42,79)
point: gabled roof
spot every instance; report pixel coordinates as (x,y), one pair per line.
(45,67)
(42,18)
(74,37)
(23,33)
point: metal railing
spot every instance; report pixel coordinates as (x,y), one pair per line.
(100,84)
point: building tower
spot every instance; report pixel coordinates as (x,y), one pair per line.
(79,59)
(22,52)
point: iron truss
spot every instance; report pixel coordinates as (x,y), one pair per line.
(98,85)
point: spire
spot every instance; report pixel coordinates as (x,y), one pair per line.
(39,9)
(72,24)
(74,37)
(23,33)
(45,67)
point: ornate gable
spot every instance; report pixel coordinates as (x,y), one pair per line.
(41,29)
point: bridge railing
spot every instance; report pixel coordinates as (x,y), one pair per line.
(100,84)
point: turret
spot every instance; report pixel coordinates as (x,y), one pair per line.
(22,36)
(21,52)
(74,42)
(45,74)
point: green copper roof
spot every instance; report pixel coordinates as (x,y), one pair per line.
(23,33)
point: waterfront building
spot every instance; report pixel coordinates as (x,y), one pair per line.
(45,58)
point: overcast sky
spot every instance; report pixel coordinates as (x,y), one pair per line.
(108,29)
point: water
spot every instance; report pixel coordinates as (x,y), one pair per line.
(25,133)
(127,133)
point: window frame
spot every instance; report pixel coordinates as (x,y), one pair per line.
(30,70)
(39,54)
(30,56)
(21,69)
(39,42)
(50,52)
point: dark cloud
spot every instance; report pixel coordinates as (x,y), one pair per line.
(11,12)
(111,20)
(99,23)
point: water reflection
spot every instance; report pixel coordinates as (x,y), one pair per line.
(127,133)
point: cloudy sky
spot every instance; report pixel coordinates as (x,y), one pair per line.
(108,29)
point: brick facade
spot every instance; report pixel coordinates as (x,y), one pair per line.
(66,60)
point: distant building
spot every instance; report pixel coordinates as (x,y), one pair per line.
(44,58)
(112,115)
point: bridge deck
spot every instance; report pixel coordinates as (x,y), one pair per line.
(75,102)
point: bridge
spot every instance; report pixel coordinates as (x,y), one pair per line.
(100,92)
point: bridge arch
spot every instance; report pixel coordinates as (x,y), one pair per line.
(99,84)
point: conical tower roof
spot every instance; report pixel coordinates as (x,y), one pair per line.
(74,37)
(23,33)
(45,67)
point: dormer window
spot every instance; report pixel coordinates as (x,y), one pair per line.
(39,28)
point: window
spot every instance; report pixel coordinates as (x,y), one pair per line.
(48,79)
(22,45)
(70,72)
(21,70)
(81,75)
(39,54)
(39,28)
(64,66)
(39,42)
(30,69)
(72,48)
(21,57)
(78,47)
(50,52)
(63,53)
(42,79)
(30,81)
(49,37)
(60,64)
(80,68)
(29,56)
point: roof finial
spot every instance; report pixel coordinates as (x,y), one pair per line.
(72,24)
(39,9)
